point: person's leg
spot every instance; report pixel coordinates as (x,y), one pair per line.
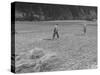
(84,30)
(57,35)
(53,35)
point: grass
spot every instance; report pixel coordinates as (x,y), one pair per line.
(37,52)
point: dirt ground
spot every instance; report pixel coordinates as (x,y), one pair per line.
(37,52)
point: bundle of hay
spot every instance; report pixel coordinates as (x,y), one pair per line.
(36,60)
(36,53)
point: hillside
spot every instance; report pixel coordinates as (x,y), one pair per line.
(42,12)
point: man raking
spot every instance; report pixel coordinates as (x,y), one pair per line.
(55,32)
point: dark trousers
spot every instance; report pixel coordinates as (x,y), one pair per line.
(55,34)
(84,30)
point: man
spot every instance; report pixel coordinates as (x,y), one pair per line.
(84,29)
(55,32)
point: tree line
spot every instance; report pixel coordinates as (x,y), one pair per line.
(46,12)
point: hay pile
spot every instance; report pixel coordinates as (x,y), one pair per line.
(35,60)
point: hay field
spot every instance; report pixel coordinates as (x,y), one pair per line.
(36,51)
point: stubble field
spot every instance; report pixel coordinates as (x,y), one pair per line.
(35,51)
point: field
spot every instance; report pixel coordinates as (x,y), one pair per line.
(36,51)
